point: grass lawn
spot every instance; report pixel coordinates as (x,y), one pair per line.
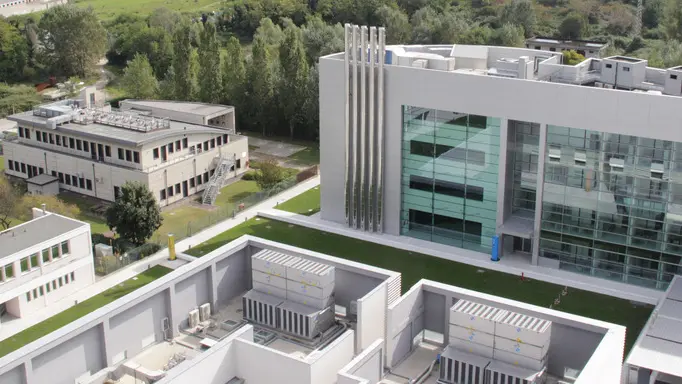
(81,309)
(2,163)
(415,266)
(107,9)
(97,224)
(307,203)
(236,192)
(309,156)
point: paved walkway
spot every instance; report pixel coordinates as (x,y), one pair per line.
(509,264)
(17,325)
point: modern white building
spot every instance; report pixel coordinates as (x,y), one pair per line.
(177,149)
(657,354)
(505,151)
(587,48)
(43,261)
(260,312)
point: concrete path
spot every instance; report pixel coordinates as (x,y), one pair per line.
(274,148)
(514,265)
(17,325)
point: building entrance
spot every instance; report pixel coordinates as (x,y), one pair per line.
(522,245)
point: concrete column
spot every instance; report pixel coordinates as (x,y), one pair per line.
(213,287)
(542,150)
(106,353)
(28,372)
(175,318)
(17,268)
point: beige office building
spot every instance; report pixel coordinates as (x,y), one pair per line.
(178,149)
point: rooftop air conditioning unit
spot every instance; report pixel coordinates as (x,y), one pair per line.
(205,312)
(193,318)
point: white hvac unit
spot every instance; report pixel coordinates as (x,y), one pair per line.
(260,308)
(193,318)
(524,329)
(311,273)
(272,262)
(316,292)
(310,301)
(501,373)
(475,316)
(270,290)
(268,279)
(205,312)
(303,321)
(461,367)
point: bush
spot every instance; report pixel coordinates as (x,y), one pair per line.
(143,251)
(249,176)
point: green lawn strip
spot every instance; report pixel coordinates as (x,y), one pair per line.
(59,320)
(107,9)
(98,224)
(415,266)
(2,163)
(307,203)
(236,192)
(308,156)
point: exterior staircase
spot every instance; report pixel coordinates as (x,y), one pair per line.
(216,182)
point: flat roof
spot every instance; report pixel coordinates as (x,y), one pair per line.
(202,109)
(659,347)
(42,179)
(114,134)
(36,231)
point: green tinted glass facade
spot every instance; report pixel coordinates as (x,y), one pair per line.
(612,205)
(449,177)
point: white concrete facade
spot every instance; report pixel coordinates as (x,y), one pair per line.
(51,259)
(175,161)
(117,341)
(611,98)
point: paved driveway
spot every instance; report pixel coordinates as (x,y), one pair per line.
(274,148)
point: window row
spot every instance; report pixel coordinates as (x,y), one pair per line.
(447,152)
(449,188)
(128,155)
(98,151)
(30,170)
(51,286)
(178,145)
(75,181)
(36,260)
(191,183)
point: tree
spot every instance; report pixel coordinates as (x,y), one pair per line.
(619,19)
(135,215)
(271,34)
(261,80)
(24,210)
(210,76)
(653,13)
(18,98)
(14,52)
(294,77)
(572,57)
(269,174)
(573,26)
(672,21)
(9,198)
(432,27)
(480,35)
(166,19)
(320,38)
(233,72)
(72,38)
(139,80)
(398,28)
(183,79)
(311,107)
(521,13)
(509,35)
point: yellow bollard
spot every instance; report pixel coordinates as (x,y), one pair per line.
(171,247)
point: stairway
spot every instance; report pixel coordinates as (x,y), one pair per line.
(215,183)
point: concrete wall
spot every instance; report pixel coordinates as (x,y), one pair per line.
(436,309)
(404,319)
(190,293)
(365,368)
(136,328)
(605,364)
(14,376)
(371,324)
(258,364)
(328,362)
(73,358)
(232,276)
(623,112)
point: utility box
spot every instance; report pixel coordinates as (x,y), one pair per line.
(311,273)
(461,367)
(475,316)
(303,321)
(498,372)
(272,262)
(260,308)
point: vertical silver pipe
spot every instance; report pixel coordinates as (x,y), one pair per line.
(353,200)
(380,131)
(363,125)
(371,201)
(346,116)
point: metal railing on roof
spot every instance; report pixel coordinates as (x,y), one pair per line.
(120,119)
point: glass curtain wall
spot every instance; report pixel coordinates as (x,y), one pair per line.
(449,177)
(526,138)
(612,205)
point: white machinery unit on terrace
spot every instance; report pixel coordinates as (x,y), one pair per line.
(261,308)
(205,312)
(299,291)
(509,347)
